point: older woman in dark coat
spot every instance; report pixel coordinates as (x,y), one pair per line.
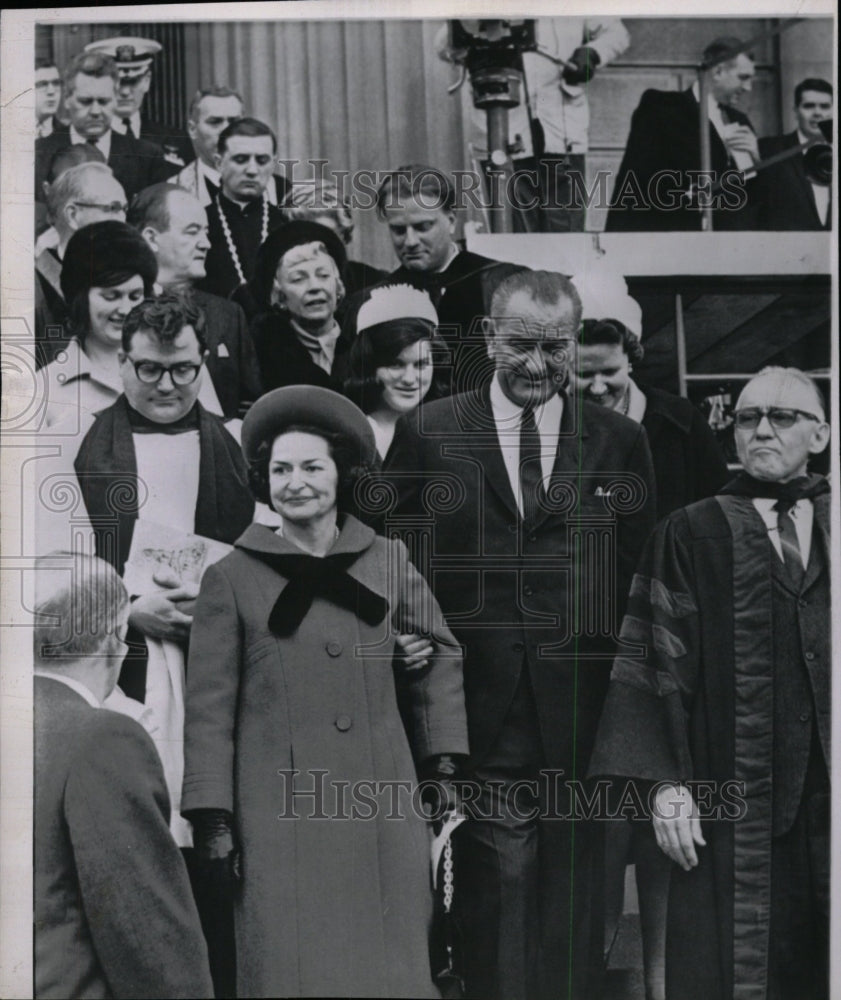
(295,750)
(298,285)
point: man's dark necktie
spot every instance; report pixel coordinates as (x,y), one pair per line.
(531,474)
(789,542)
(129,129)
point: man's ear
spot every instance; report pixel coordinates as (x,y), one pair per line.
(489,330)
(150,234)
(820,438)
(217,160)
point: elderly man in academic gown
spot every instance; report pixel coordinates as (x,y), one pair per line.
(719,708)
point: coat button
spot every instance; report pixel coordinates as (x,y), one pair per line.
(532,538)
(334,647)
(810,656)
(805,716)
(518,647)
(343,723)
(802,603)
(513,528)
(528,591)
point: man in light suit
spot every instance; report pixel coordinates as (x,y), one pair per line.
(656,188)
(791,198)
(114,915)
(515,483)
(90,89)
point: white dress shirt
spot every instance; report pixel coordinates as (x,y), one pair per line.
(508,417)
(820,192)
(743,160)
(118,126)
(103,143)
(802,513)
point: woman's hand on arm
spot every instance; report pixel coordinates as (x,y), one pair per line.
(416,649)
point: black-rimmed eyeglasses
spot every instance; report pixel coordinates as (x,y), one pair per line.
(150,372)
(779,417)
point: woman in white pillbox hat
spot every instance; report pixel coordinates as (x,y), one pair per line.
(393,360)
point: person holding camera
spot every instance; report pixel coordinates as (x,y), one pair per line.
(795,195)
(549,128)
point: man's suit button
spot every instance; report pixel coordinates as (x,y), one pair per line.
(513,528)
(805,716)
(334,647)
(343,723)
(810,656)
(518,647)
(802,603)
(528,591)
(532,538)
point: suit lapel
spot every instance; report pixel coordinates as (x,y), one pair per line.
(482,440)
(568,457)
(819,550)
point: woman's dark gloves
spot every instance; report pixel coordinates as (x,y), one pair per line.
(216,851)
(439,776)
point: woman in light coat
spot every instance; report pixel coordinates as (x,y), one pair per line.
(296,756)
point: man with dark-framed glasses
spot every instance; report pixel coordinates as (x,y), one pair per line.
(539,506)
(720,708)
(156,456)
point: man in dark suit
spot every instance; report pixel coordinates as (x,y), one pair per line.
(114,914)
(47,96)
(537,508)
(174,224)
(418,205)
(134,57)
(90,92)
(792,197)
(657,187)
(720,705)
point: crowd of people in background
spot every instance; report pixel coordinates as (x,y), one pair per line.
(450,538)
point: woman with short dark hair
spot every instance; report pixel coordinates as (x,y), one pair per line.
(394,361)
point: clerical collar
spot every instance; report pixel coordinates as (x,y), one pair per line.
(141,424)
(244,208)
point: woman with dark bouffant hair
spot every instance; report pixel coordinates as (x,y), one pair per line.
(393,360)
(108,268)
(295,659)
